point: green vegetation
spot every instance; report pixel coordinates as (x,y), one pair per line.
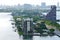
(52,24)
(40,23)
(20,33)
(17,24)
(36,18)
(51,30)
(41,28)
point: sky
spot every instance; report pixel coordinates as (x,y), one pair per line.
(33,2)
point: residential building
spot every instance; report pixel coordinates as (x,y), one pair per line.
(27,24)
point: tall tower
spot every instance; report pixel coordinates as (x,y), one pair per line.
(43,5)
(52,14)
(27,26)
(58,4)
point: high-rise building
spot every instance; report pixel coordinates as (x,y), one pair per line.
(27,6)
(52,14)
(58,4)
(27,24)
(43,4)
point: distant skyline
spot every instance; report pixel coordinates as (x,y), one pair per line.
(33,2)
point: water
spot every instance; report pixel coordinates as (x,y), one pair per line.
(6,30)
(7,33)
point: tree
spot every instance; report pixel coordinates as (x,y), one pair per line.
(51,30)
(42,25)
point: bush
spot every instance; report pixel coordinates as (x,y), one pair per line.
(20,33)
(51,30)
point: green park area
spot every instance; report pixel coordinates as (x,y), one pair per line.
(40,22)
(38,27)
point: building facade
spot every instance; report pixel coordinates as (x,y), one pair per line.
(27,26)
(52,14)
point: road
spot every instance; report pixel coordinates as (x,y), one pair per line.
(57,32)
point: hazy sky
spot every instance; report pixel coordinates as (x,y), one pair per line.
(35,2)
